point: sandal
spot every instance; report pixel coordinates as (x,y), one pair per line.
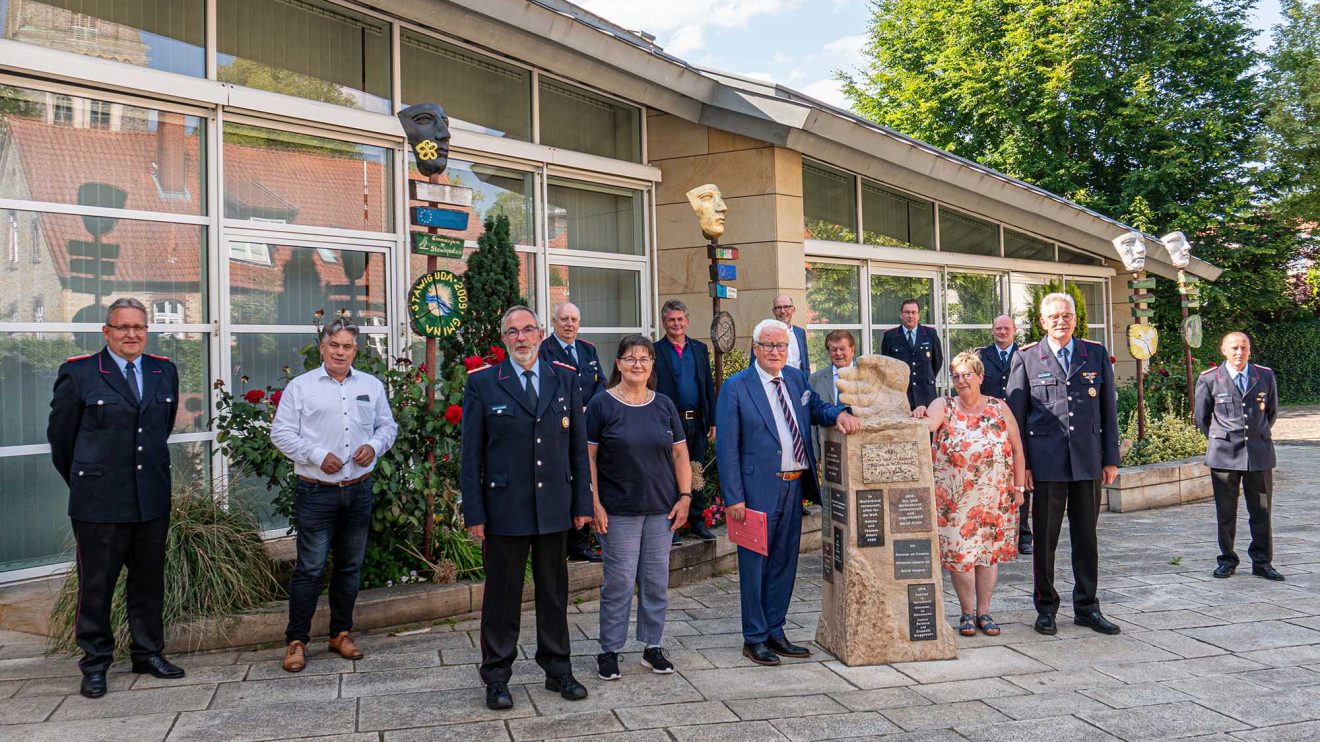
(967,625)
(987,624)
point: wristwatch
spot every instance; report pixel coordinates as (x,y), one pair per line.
(685,494)
(1021,489)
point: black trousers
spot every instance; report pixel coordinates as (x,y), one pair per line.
(103,549)
(1024,520)
(1257,487)
(1081,501)
(501,604)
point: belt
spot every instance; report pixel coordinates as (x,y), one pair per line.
(689,414)
(789,476)
(345,483)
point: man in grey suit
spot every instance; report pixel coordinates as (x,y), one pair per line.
(841,347)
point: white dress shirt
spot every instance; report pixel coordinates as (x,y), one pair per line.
(795,350)
(786,460)
(318,415)
(835,399)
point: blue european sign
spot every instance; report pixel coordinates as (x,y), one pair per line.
(426,216)
(723,272)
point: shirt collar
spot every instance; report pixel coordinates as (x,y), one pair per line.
(322,373)
(765,377)
(122,362)
(1233,375)
(518,370)
(1054,348)
(564,344)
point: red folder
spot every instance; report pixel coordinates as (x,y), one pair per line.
(751,533)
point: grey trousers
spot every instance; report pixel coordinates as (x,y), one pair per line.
(636,551)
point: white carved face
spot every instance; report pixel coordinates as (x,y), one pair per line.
(1180,250)
(1133,251)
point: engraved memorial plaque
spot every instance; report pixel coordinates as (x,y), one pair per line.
(827,558)
(834,462)
(891,462)
(911,559)
(839,506)
(909,510)
(838,549)
(870,518)
(921,612)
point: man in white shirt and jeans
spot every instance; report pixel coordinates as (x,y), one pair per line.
(332,422)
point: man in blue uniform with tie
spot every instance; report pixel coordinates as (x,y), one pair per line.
(1235,408)
(111,414)
(919,347)
(526,481)
(997,358)
(1061,391)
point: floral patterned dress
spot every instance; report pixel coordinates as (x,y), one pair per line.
(973,467)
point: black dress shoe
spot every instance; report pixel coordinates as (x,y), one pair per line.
(1045,624)
(760,653)
(1097,622)
(1224,571)
(1025,548)
(93,685)
(1268,573)
(159,667)
(702,531)
(568,686)
(785,648)
(497,696)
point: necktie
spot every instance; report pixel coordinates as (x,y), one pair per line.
(130,373)
(1003,357)
(531,390)
(572,354)
(1063,358)
(799,450)
(1242,383)
(912,338)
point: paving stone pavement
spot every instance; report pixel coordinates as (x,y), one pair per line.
(1235,659)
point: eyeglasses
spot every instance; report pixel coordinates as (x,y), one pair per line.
(514,332)
(780,347)
(1060,317)
(960,377)
(636,361)
(128,329)
(783,307)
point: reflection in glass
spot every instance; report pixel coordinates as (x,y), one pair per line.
(598,218)
(888,294)
(1093,294)
(492,190)
(1077,258)
(575,119)
(961,233)
(165,36)
(286,178)
(279,284)
(337,56)
(146,160)
(893,219)
(477,92)
(833,294)
(961,339)
(972,298)
(262,357)
(1020,303)
(1018,245)
(829,203)
(606,297)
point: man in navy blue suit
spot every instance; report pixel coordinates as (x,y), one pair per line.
(919,347)
(767,463)
(682,373)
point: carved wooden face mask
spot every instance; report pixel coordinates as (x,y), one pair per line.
(427,128)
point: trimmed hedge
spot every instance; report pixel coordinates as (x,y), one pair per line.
(1292,349)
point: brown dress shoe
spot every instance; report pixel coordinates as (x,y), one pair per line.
(295,657)
(343,645)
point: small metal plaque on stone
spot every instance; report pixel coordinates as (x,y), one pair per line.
(891,462)
(827,558)
(834,462)
(838,549)
(911,559)
(839,506)
(921,612)
(909,510)
(870,518)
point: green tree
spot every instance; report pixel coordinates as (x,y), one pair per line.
(492,286)
(1292,110)
(1033,329)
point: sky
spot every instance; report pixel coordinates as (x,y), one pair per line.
(797,43)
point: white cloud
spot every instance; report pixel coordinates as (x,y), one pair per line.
(684,40)
(762,76)
(680,24)
(829,91)
(847,50)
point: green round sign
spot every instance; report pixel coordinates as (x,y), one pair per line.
(438,301)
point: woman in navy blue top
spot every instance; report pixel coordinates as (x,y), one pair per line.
(642,482)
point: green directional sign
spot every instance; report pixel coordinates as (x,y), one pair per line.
(1143,312)
(1145,283)
(437,245)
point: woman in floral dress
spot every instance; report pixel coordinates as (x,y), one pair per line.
(979,478)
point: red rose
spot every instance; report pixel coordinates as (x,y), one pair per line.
(454,414)
(1164,372)
(496,356)
(474,362)
(1113,359)
(275,397)
(254,396)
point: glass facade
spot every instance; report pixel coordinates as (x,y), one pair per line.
(583,121)
(966,234)
(894,219)
(477,92)
(829,203)
(167,35)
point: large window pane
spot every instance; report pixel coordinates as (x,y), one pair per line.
(493,190)
(70,150)
(478,93)
(1077,258)
(1018,245)
(967,339)
(262,358)
(29,363)
(888,294)
(35,530)
(1020,303)
(893,219)
(829,204)
(160,34)
(278,284)
(965,234)
(277,176)
(598,218)
(973,298)
(1093,294)
(606,297)
(833,294)
(573,118)
(305,48)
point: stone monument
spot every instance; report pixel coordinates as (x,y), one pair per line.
(883,595)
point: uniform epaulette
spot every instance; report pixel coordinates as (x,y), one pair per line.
(1264,368)
(479,368)
(588,342)
(1028,345)
(1210,370)
(159,358)
(79,358)
(564,365)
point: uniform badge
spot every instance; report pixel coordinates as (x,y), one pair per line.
(499,409)
(1044,375)
(1091,391)
(1090,376)
(564,422)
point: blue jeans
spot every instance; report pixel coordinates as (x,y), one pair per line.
(330,519)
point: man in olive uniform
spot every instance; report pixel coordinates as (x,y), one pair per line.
(526,481)
(1061,390)
(997,358)
(919,347)
(1236,404)
(110,416)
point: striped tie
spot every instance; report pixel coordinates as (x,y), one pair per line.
(799,450)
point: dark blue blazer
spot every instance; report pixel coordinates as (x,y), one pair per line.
(924,361)
(525,471)
(747,449)
(109,448)
(1068,419)
(666,376)
(1237,425)
(591,378)
(995,382)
